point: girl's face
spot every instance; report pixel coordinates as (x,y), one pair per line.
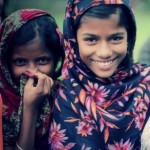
(31,57)
(102,44)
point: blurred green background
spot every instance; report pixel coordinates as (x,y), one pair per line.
(57,9)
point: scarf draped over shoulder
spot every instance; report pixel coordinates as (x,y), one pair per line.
(10,93)
(92,113)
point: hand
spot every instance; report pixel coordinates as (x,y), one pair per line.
(34,94)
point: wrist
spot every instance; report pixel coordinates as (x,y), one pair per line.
(30,110)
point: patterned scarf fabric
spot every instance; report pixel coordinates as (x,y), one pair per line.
(12,94)
(92,113)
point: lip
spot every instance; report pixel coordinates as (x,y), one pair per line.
(29,74)
(104,65)
(104,61)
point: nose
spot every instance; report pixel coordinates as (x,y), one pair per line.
(104,50)
(32,67)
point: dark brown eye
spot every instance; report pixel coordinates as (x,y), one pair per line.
(19,62)
(43,60)
(90,40)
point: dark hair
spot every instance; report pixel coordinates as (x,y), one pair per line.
(126,20)
(45,28)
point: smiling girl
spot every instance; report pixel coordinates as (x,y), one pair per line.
(103,103)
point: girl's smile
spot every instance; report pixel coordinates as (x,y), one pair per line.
(104,65)
(102,44)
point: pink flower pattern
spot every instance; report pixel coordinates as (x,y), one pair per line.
(121,145)
(57,137)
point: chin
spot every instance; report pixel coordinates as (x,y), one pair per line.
(104,76)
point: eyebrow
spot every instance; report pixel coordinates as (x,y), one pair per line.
(114,34)
(89,34)
(45,55)
(19,57)
(42,55)
(118,33)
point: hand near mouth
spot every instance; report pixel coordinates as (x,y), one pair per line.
(37,87)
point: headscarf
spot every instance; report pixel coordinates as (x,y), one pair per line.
(92,113)
(12,94)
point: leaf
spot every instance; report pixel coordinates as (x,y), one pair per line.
(82,96)
(101,109)
(111,125)
(120,104)
(71,119)
(75,84)
(147,78)
(110,116)
(76,100)
(114,94)
(140,90)
(80,77)
(106,134)
(69,146)
(74,108)
(90,84)
(101,125)
(146,98)
(88,104)
(130,124)
(142,85)
(130,91)
(73,92)
(57,105)
(93,108)
(62,95)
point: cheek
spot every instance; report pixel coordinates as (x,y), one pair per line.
(81,48)
(121,49)
(17,71)
(48,69)
(85,51)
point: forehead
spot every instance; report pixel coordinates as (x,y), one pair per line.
(103,24)
(34,47)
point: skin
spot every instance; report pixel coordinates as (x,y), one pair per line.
(102,44)
(37,61)
(32,58)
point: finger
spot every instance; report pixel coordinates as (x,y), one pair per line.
(51,81)
(30,82)
(41,80)
(49,84)
(45,83)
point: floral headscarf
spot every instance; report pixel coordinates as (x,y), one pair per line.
(92,113)
(12,94)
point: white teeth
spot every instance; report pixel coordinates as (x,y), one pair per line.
(103,63)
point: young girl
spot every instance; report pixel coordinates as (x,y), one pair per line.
(30,56)
(103,102)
